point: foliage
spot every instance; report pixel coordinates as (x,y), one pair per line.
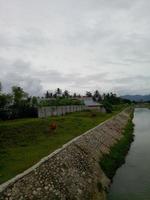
(97,97)
(108,106)
(18,94)
(66,94)
(112,102)
(34,101)
(58,92)
(5,100)
(116,157)
(111,98)
(88,94)
(60,102)
(108,100)
(0,87)
(48,94)
(17,105)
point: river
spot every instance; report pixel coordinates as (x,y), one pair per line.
(132,180)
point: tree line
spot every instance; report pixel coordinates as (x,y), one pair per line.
(19,104)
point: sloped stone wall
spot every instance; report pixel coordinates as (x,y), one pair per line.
(72,172)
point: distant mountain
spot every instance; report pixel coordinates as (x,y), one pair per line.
(137,98)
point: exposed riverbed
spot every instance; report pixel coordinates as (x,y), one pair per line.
(132,180)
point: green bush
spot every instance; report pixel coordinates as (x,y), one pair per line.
(61,102)
(108,107)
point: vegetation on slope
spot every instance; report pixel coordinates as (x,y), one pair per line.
(111,162)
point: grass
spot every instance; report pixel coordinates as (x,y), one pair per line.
(111,162)
(24,142)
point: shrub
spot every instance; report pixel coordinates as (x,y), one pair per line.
(107,106)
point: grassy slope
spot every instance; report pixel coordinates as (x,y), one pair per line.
(111,162)
(24,142)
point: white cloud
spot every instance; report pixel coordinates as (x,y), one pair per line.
(78,45)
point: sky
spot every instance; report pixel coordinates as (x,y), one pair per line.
(79,45)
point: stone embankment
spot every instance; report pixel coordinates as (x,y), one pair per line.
(71,172)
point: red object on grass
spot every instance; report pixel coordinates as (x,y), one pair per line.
(53,126)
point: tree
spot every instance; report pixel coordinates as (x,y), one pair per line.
(0,87)
(58,92)
(5,103)
(5,100)
(34,101)
(112,98)
(66,93)
(47,95)
(97,96)
(74,95)
(108,106)
(50,94)
(88,94)
(18,94)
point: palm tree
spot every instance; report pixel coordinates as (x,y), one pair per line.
(88,94)
(66,93)
(58,92)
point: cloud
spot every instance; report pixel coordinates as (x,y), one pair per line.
(80,45)
(19,73)
(37,82)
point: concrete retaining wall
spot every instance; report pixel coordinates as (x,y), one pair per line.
(62,110)
(71,172)
(59,110)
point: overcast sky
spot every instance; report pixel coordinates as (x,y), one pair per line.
(77,45)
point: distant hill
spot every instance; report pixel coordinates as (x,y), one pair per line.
(137,98)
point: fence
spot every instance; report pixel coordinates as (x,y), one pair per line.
(59,110)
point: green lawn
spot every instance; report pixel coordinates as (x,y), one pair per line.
(24,142)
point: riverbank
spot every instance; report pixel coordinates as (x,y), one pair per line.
(112,161)
(132,179)
(73,171)
(25,141)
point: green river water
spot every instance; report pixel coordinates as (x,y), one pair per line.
(132,180)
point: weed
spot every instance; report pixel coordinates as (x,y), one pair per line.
(116,157)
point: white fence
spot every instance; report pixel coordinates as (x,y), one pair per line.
(59,110)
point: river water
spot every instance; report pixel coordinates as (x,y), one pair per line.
(132,180)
